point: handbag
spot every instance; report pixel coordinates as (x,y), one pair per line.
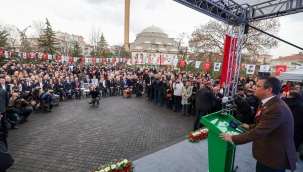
(169,95)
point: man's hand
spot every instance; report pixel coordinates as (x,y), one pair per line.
(245,126)
(226,137)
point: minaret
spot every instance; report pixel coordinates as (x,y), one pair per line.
(126,25)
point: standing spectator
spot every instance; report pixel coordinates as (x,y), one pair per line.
(217,106)
(148,82)
(296,107)
(186,95)
(204,103)
(3,107)
(155,86)
(6,160)
(178,87)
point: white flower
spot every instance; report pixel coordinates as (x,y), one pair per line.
(113,166)
(119,164)
(107,169)
(102,170)
(125,161)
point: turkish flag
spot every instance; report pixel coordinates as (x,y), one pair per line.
(148,60)
(28,55)
(207,65)
(34,55)
(279,69)
(1,52)
(182,63)
(45,56)
(114,59)
(70,59)
(104,60)
(94,60)
(58,57)
(82,59)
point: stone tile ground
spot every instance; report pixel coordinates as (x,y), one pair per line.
(79,137)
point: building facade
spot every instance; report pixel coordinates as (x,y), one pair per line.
(290,61)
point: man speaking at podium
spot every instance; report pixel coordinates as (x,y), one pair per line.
(272,133)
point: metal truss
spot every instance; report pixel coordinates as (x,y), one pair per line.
(234,59)
(234,13)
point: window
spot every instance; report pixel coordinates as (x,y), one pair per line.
(293,63)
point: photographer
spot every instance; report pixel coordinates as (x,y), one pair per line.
(48,99)
(12,116)
(138,89)
(94,92)
(21,106)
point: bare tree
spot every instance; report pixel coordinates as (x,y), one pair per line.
(94,37)
(13,35)
(183,50)
(38,27)
(209,38)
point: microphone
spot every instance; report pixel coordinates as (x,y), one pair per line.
(235,125)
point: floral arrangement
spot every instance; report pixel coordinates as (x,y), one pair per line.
(124,165)
(196,136)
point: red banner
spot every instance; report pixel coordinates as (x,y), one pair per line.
(104,60)
(1,52)
(182,63)
(279,69)
(28,55)
(207,65)
(148,60)
(94,60)
(34,55)
(114,59)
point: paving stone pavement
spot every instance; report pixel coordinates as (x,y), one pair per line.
(79,137)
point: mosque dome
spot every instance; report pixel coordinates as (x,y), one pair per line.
(152,29)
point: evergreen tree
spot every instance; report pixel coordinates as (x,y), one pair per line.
(47,42)
(77,51)
(102,47)
(3,39)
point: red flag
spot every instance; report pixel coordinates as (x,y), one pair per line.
(28,55)
(182,63)
(114,59)
(45,56)
(94,60)
(70,59)
(34,55)
(130,60)
(279,69)
(104,60)
(207,65)
(82,59)
(1,52)
(58,57)
(148,60)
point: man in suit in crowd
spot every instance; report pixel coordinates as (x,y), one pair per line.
(272,133)
(76,86)
(217,106)
(204,103)
(148,83)
(3,106)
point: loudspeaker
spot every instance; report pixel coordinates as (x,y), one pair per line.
(246,29)
(264,73)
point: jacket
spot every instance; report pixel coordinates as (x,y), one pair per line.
(178,88)
(205,97)
(189,93)
(6,159)
(296,107)
(3,100)
(272,136)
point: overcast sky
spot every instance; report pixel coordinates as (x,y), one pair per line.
(78,17)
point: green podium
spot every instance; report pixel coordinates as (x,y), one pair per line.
(220,153)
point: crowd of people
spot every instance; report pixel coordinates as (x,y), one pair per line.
(30,87)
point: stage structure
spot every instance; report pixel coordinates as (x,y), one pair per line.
(238,14)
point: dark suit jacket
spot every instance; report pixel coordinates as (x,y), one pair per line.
(204,99)
(148,80)
(272,136)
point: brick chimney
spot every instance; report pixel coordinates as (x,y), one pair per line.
(126,25)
